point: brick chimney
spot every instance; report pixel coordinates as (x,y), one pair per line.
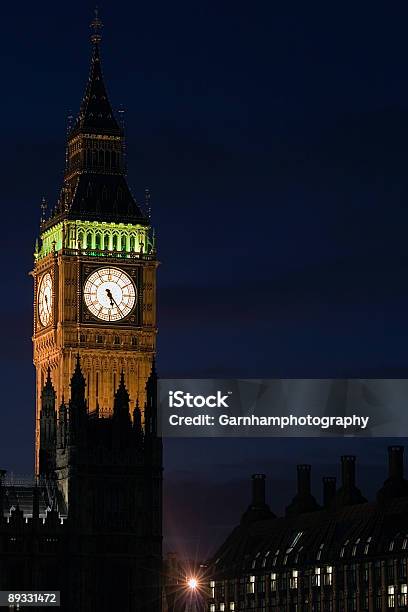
(303,500)
(348,494)
(329,490)
(396,462)
(258,490)
(348,471)
(258,509)
(395,486)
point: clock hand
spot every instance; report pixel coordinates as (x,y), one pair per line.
(111,298)
(47,310)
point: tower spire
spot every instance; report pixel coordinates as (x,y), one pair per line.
(96,114)
(96,27)
(95,186)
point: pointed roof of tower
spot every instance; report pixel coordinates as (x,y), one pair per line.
(48,388)
(121,402)
(78,378)
(95,186)
(122,392)
(96,114)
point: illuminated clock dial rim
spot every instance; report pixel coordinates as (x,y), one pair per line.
(109,294)
(45,299)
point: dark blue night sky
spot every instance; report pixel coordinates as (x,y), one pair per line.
(274,140)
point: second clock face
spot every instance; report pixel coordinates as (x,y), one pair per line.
(109,294)
(45,299)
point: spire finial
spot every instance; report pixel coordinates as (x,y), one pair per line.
(148,206)
(43,207)
(96,27)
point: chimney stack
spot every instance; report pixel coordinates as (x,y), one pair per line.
(396,462)
(258,490)
(303,500)
(258,509)
(348,471)
(348,494)
(303,479)
(395,486)
(329,490)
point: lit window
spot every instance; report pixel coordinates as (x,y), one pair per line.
(367,546)
(292,546)
(212,607)
(391,596)
(343,548)
(316,577)
(273,582)
(254,561)
(264,560)
(298,554)
(232,605)
(293,583)
(222,607)
(353,553)
(212,589)
(328,579)
(251,585)
(296,539)
(403,596)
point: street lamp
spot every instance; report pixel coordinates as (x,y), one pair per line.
(192,583)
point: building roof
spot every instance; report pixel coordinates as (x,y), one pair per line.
(106,198)
(349,528)
(21,497)
(315,538)
(96,114)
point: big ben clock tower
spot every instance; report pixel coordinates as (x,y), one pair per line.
(95,265)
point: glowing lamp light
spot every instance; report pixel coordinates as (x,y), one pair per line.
(192,584)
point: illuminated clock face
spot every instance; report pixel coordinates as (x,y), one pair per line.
(109,294)
(45,299)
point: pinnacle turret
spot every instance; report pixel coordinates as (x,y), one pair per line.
(121,403)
